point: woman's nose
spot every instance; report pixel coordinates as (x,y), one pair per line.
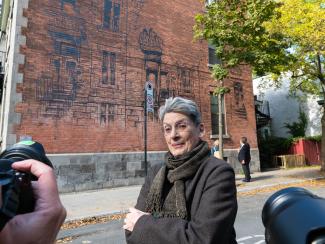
(174,133)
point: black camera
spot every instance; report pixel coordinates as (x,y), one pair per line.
(17,193)
(294,215)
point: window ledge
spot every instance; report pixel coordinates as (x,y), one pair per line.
(217,136)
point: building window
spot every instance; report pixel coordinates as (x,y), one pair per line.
(213,59)
(111,19)
(215,115)
(108,68)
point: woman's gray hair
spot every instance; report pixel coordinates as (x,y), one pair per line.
(183,106)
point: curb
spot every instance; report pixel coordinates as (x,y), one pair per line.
(99,215)
(247,189)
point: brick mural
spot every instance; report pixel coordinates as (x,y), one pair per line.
(87,62)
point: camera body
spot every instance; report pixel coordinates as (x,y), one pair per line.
(16,189)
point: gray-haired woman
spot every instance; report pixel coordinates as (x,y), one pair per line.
(192,197)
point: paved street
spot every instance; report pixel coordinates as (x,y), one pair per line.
(249,227)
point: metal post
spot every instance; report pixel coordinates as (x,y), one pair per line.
(145,132)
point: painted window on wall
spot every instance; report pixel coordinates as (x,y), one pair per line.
(108,68)
(106,113)
(111,16)
(215,115)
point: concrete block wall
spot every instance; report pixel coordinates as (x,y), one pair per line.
(80,172)
(231,156)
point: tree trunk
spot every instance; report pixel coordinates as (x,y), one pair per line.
(322,154)
(220,124)
(322,80)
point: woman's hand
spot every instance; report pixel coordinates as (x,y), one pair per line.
(132,218)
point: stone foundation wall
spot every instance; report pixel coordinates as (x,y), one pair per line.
(92,171)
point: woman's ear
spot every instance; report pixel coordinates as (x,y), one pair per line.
(202,130)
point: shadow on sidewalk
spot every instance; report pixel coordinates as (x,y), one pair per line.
(262,177)
(270,169)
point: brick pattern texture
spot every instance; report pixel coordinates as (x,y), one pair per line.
(86,64)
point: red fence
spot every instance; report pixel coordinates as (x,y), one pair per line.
(311,150)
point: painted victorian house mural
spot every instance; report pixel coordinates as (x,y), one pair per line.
(75,77)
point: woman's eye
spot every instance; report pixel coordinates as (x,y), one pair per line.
(167,130)
(182,126)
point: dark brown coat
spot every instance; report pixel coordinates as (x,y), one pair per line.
(211,203)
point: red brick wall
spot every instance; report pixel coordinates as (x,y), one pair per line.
(240,108)
(86,67)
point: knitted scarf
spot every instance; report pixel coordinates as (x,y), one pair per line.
(166,197)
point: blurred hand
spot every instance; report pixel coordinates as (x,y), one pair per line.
(132,218)
(42,225)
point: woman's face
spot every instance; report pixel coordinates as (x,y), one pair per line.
(181,134)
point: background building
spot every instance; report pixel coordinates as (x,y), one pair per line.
(284,108)
(75,77)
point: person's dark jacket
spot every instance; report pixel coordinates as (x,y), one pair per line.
(211,204)
(244,153)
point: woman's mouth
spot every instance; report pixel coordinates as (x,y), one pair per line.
(177,145)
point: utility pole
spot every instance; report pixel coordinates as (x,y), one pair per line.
(148,107)
(145,132)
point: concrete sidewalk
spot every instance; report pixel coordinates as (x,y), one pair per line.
(82,205)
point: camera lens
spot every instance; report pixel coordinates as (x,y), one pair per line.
(281,200)
(26,150)
(294,216)
(17,193)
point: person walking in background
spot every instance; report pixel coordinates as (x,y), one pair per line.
(215,149)
(244,157)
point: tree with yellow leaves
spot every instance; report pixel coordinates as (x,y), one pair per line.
(275,37)
(302,23)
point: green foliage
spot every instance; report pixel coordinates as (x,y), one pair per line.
(273,146)
(303,25)
(218,72)
(270,147)
(281,38)
(292,140)
(274,37)
(298,129)
(236,29)
(314,138)
(221,90)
